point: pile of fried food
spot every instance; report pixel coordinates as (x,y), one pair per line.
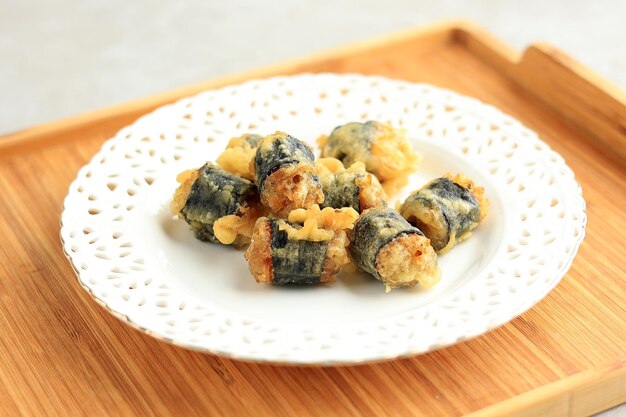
(304,220)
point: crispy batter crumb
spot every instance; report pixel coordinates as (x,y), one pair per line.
(336,256)
(327,218)
(408,260)
(309,231)
(237,229)
(371,193)
(326,166)
(186,180)
(259,253)
(236,158)
(291,187)
(393,155)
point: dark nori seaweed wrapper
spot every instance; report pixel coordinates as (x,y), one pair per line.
(296,261)
(446,192)
(283,151)
(346,194)
(344,140)
(252,139)
(374,230)
(213,195)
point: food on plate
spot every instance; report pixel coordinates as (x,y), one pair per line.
(353,187)
(446,209)
(385,245)
(285,174)
(309,247)
(306,219)
(219,206)
(238,154)
(385,151)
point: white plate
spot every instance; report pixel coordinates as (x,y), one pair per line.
(147,269)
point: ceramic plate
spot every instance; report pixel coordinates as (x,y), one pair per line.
(145,266)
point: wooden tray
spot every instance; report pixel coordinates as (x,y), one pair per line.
(62,354)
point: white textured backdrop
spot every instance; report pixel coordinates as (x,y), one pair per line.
(62,57)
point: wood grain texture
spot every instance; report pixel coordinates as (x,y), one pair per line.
(62,354)
(592,103)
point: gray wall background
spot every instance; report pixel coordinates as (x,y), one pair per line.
(61,57)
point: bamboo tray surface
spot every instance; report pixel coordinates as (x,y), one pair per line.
(62,354)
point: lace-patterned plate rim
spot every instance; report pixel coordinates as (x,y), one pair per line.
(497,316)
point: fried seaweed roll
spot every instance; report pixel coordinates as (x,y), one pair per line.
(385,151)
(238,154)
(307,248)
(385,245)
(285,174)
(353,187)
(446,209)
(210,194)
